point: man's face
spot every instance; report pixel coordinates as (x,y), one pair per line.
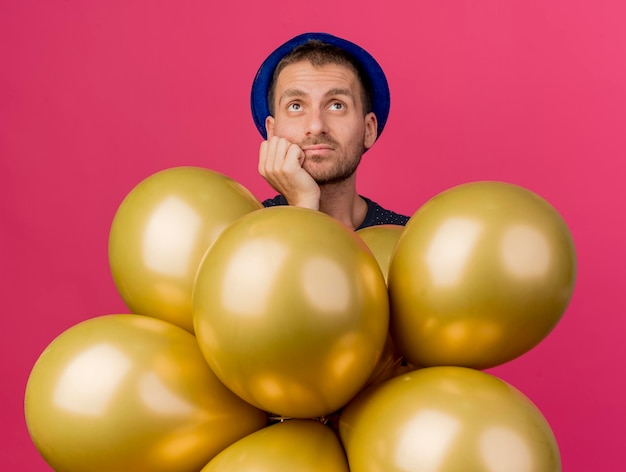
(321,110)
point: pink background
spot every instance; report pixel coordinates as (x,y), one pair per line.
(95,96)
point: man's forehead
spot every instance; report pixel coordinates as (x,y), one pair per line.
(307,72)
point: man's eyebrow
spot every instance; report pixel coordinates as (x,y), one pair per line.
(340,91)
(293,93)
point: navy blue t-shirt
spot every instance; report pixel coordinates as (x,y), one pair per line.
(376,215)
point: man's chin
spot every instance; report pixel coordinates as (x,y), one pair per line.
(331,179)
(325,173)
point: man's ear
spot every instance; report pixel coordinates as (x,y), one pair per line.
(269,126)
(371,130)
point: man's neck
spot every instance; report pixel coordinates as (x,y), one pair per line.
(342,202)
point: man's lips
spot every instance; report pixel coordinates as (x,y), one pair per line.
(316,147)
(317,150)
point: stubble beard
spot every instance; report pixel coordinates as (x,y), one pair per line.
(341,170)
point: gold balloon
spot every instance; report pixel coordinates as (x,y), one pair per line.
(291,311)
(481,274)
(290,446)
(447,419)
(160,233)
(381,240)
(388,364)
(131,393)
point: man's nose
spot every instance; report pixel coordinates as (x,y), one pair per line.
(316,122)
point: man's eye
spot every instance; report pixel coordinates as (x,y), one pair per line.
(337,106)
(293,107)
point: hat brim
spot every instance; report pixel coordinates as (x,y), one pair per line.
(263,78)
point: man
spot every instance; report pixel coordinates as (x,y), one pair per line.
(320,102)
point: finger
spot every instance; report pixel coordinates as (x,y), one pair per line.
(263,150)
(268,155)
(280,154)
(271,153)
(294,156)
